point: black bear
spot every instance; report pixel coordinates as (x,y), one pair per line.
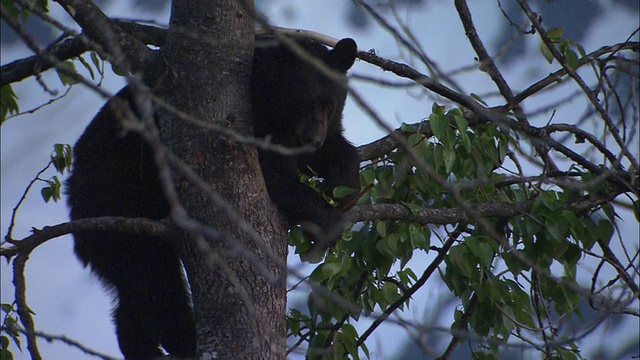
(114,175)
(306,111)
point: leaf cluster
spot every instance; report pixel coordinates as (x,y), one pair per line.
(491,266)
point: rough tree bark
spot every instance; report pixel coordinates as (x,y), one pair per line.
(238,277)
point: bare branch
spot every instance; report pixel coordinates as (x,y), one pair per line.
(572,73)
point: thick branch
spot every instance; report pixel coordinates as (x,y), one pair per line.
(73,47)
(98,27)
(107,223)
(455,215)
(31,43)
(436,216)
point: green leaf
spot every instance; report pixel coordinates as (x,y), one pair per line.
(341,191)
(462,124)
(605,230)
(5,354)
(411,274)
(480,355)
(392,243)
(585,232)
(385,182)
(557,227)
(8,102)
(564,46)
(10,9)
(46,193)
(572,59)
(565,354)
(390,292)
(420,236)
(301,243)
(473,244)
(486,255)
(95,59)
(437,109)
(413,207)
(449,160)
(381,228)
(438,156)
(458,255)
(52,191)
(65,77)
(7,308)
(368,175)
(478,98)
(546,52)
(439,126)
(507,315)
(117,70)
(87,66)
(407,128)
(350,331)
(62,157)
(330,269)
(555,34)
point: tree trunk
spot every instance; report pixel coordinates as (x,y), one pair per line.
(237,280)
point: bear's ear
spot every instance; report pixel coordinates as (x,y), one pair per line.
(343,54)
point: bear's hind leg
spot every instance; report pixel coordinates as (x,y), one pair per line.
(177,325)
(135,332)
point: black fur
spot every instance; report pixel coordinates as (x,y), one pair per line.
(306,111)
(114,175)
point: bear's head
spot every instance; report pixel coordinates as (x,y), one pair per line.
(299,93)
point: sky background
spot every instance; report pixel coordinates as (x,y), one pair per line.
(69,301)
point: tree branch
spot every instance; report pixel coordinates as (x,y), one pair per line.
(418,284)
(461,330)
(572,73)
(46,57)
(486,62)
(490,67)
(444,216)
(98,27)
(557,75)
(73,47)
(20,284)
(100,224)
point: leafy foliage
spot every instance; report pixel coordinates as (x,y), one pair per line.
(61,158)
(368,268)
(564,46)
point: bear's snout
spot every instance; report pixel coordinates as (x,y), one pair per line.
(313,133)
